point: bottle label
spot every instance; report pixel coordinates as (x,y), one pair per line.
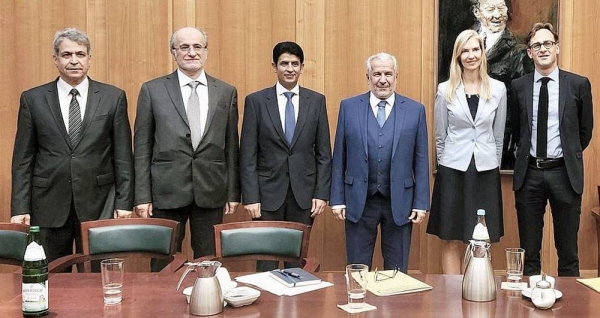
(480,232)
(35,297)
(34,252)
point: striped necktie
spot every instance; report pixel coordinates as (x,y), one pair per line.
(74,118)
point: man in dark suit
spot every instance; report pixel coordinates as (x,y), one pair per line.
(72,160)
(380,167)
(554,124)
(285,147)
(186,145)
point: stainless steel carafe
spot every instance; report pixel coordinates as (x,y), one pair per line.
(207,297)
(478,282)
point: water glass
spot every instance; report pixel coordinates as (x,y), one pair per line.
(112,280)
(515,258)
(356,284)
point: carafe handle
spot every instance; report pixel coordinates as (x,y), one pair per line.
(187,270)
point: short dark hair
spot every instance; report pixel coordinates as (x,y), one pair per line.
(287,47)
(539,26)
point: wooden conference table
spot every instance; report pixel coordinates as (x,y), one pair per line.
(154,295)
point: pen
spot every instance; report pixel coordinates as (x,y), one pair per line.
(290,273)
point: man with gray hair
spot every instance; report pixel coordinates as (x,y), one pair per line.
(380,174)
(72,160)
(186,145)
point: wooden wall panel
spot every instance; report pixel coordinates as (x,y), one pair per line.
(130,46)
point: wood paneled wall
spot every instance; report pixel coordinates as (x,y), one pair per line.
(130,46)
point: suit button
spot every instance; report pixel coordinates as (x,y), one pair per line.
(72,157)
(380,135)
(378,160)
(366,160)
(473,126)
(365,179)
(378,186)
(69,180)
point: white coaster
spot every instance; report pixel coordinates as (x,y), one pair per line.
(365,307)
(513,286)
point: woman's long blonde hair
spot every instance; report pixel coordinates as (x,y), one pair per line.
(456,67)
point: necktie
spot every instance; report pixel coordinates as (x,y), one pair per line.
(74,118)
(542,120)
(193,113)
(381,113)
(290,120)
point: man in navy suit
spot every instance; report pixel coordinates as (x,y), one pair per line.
(285,150)
(380,172)
(553,125)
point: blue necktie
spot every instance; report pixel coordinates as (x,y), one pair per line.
(290,120)
(381,113)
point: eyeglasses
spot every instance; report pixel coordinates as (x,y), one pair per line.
(537,46)
(187,48)
(379,276)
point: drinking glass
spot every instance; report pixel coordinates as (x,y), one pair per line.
(112,280)
(514,265)
(356,284)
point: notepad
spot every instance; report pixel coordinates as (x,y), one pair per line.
(293,277)
(400,284)
(593,283)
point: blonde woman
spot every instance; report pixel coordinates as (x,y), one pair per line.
(469,117)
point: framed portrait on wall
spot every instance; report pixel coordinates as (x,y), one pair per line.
(503,24)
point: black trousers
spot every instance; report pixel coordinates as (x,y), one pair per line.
(542,186)
(201,229)
(288,211)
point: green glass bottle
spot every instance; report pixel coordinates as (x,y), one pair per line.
(35,276)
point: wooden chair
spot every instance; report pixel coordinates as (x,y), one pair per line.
(124,238)
(263,240)
(13,241)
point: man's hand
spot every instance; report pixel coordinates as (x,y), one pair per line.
(339,214)
(417,217)
(122,214)
(143,210)
(230,207)
(21,219)
(318,206)
(253,210)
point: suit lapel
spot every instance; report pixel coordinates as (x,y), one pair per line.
(462,100)
(529,100)
(54,105)
(562,92)
(303,109)
(399,117)
(174,91)
(273,111)
(213,97)
(363,120)
(93,101)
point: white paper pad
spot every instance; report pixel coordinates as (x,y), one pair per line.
(347,308)
(266,282)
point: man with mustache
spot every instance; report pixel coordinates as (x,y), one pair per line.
(505,56)
(186,145)
(285,148)
(72,160)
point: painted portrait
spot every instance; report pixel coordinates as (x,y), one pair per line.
(503,24)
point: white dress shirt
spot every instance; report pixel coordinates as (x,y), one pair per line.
(202,90)
(282,101)
(64,97)
(554,149)
(374,101)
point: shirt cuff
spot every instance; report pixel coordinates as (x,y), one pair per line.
(339,206)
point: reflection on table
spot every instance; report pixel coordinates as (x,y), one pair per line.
(154,295)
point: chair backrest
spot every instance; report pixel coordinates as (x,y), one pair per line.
(13,241)
(124,238)
(262,240)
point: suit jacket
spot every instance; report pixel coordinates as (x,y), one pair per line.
(168,172)
(575,121)
(269,164)
(48,173)
(409,173)
(459,137)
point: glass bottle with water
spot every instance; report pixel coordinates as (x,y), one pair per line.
(35,277)
(480,232)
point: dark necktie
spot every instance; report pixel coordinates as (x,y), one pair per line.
(381,113)
(74,118)
(290,120)
(542,120)
(193,113)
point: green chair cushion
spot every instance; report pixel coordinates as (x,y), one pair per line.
(13,244)
(130,238)
(261,240)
